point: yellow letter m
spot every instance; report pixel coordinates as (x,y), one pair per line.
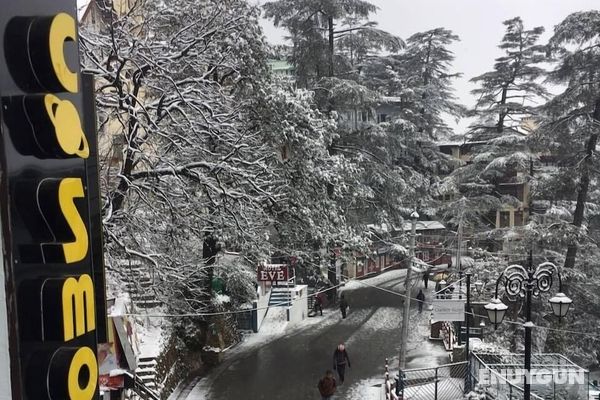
(79,315)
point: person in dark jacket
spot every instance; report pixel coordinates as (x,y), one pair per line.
(425,279)
(327,386)
(420,300)
(318,303)
(343,305)
(340,359)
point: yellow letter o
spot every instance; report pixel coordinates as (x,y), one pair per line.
(83,357)
(62,29)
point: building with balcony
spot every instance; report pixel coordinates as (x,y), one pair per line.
(364,117)
(513,184)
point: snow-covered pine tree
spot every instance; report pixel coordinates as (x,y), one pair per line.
(328,37)
(572,128)
(427,63)
(333,42)
(568,184)
(497,140)
(418,81)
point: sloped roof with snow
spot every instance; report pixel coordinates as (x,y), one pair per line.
(424,226)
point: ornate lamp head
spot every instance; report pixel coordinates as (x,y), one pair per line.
(496,310)
(560,304)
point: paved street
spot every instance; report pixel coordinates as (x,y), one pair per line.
(290,367)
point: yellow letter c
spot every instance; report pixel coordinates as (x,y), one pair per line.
(62,29)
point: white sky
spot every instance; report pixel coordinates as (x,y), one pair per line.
(478,23)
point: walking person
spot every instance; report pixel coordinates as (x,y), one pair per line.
(318,307)
(425,279)
(327,386)
(421,299)
(340,358)
(343,305)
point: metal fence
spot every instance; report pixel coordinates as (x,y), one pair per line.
(445,382)
(553,376)
(245,320)
(493,384)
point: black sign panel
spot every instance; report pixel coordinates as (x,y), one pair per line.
(47,164)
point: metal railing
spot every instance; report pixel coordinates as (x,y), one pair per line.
(140,389)
(493,384)
(442,382)
(557,381)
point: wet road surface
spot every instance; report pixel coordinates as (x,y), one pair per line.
(289,368)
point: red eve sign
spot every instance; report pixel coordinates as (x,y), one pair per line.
(272,272)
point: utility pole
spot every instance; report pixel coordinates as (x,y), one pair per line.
(468,332)
(408,286)
(458,253)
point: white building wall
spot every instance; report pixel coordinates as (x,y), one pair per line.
(299,309)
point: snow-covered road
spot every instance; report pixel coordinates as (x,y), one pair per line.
(287,364)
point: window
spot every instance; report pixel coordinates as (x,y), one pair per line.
(364,116)
(504,219)
(518,218)
(381,117)
(446,150)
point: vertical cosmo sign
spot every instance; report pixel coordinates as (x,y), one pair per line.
(45,204)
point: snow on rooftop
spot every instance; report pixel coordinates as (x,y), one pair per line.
(378,228)
(424,225)
(460,142)
(449,143)
(391,99)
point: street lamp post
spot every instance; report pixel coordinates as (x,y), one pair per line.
(518,282)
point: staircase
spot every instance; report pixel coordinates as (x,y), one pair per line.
(280,297)
(145,379)
(139,283)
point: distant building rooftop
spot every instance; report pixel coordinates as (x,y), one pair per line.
(407,226)
(280,65)
(461,143)
(424,226)
(391,99)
